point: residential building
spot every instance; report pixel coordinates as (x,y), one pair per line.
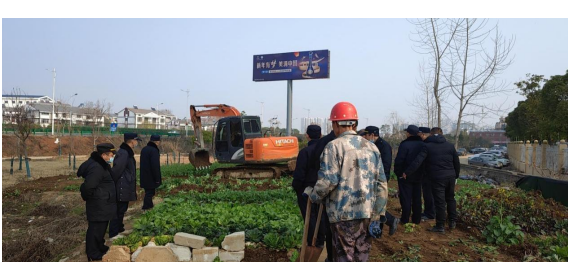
(497,137)
(502,124)
(13,100)
(144,118)
(324,123)
(64,114)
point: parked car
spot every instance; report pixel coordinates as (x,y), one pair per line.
(493,156)
(461,152)
(483,161)
(478,150)
(497,153)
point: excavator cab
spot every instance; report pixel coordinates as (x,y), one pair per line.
(230,135)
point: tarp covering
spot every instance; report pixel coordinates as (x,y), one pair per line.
(550,188)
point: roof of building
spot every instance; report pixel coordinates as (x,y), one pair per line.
(25,96)
(145,111)
(64,108)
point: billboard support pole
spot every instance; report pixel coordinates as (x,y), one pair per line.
(289,106)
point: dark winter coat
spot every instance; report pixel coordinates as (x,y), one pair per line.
(386,154)
(98,189)
(408,150)
(125,173)
(150,167)
(315,159)
(302,166)
(439,157)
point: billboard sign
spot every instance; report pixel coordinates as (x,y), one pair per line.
(113,127)
(305,65)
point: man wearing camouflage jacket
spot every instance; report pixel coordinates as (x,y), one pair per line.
(352,185)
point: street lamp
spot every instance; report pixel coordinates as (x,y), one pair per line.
(261,111)
(308,112)
(53,102)
(187,108)
(71,111)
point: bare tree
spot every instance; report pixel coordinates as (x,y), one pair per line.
(95,113)
(478,57)
(20,120)
(434,37)
(424,100)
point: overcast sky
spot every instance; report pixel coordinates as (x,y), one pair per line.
(148,61)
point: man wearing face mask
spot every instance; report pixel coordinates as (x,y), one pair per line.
(125,177)
(98,192)
(372,133)
(150,170)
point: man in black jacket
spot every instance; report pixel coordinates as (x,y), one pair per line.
(410,186)
(429,206)
(125,177)
(300,183)
(150,170)
(98,192)
(442,164)
(372,133)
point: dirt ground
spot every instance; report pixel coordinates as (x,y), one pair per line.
(44,220)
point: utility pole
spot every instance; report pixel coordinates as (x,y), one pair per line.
(53,103)
(187,91)
(261,112)
(158,113)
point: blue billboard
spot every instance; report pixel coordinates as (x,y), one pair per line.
(291,66)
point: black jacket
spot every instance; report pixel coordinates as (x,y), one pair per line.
(439,157)
(315,159)
(407,152)
(386,154)
(150,167)
(125,174)
(98,189)
(302,166)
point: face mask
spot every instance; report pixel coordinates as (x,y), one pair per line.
(111,160)
(371,141)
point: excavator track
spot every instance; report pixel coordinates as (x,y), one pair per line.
(251,171)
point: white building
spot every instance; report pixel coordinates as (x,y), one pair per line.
(13,100)
(64,114)
(145,118)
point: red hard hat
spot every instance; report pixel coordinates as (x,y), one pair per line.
(343,111)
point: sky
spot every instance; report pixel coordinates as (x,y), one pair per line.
(145,62)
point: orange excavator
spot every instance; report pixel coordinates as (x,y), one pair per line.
(238,139)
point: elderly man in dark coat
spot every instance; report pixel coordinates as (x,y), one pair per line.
(98,191)
(150,170)
(125,177)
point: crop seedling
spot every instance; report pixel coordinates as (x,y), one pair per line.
(502,231)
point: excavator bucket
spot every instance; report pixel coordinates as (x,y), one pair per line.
(200,158)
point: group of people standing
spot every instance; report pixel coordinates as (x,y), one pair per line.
(110,184)
(348,172)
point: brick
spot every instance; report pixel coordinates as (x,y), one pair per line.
(206,254)
(118,254)
(234,242)
(189,240)
(226,256)
(182,252)
(156,254)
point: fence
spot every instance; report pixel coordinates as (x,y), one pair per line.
(542,160)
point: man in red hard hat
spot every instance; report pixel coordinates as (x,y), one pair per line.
(353,187)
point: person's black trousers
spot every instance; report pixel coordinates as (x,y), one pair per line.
(302,201)
(429,204)
(410,200)
(116,226)
(148,195)
(95,240)
(444,197)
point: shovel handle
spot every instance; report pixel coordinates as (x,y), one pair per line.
(306,230)
(318,224)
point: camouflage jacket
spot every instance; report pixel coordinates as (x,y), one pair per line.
(351,181)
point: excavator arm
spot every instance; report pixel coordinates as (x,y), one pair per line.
(201,157)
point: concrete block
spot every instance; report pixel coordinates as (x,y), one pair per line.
(182,252)
(226,256)
(234,242)
(189,240)
(206,254)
